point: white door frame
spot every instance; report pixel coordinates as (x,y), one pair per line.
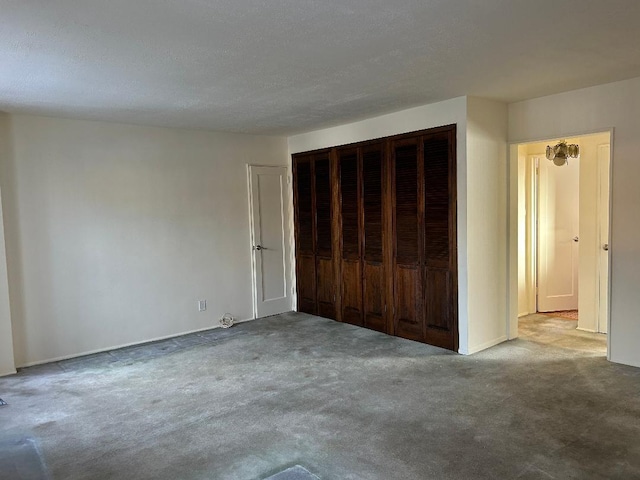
(604,310)
(286,233)
(512,227)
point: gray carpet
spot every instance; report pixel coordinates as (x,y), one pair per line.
(294,473)
(20,459)
(347,403)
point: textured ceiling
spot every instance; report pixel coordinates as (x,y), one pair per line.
(288,66)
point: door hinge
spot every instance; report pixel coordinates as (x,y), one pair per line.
(288,180)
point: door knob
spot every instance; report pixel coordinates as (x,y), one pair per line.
(605,247)
(575,239)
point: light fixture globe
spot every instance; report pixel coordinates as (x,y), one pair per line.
(560,153)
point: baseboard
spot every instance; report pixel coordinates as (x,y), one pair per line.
(8,373)
(523,314)
(116,347)
(484,346)
(586,330)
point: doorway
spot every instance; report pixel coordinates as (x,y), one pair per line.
(563,237)
(269,222)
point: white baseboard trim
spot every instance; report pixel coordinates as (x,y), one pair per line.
(8,373)
(484,346)
(523,314)
(116,347)
(586,330)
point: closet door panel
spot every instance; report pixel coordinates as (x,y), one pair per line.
(374,301)
(437,200)
(325,288)
(437,300)
(408,312)
(408,318)
(326,295)
(350,204)
(304,215)
(352,292)
(439,245)
(406,205)
(350,237)
(306,278)
(372,179)
(322,174)
(304,206)
(373,218)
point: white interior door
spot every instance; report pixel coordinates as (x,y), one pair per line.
(558,222)
(604,159)
(269,240)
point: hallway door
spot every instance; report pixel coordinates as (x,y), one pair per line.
(269,235)
(558,199)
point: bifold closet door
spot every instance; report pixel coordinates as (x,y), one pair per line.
(325,281)
(362,273)
(304,232)
(350,237)
(374,275)
(440,262)
(376,235)
(408,318)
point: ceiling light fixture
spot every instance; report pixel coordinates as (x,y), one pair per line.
(560,153)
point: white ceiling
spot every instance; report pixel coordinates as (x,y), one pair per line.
(288,66)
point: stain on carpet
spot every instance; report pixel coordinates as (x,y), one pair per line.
(566,314)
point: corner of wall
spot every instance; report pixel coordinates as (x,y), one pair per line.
(487,223)
(7,360)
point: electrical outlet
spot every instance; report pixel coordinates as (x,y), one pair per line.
(202,305)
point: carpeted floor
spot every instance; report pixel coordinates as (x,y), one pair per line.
(344,402)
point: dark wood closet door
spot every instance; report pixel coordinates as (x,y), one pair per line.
(376,240)
(305,248)
(440,233)
(351,236)
(326,294)
(407,235)
(374,277)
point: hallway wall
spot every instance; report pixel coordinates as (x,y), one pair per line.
(596,109)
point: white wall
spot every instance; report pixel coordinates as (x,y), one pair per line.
(523,293)
(589,110)
(486,222)
(115,231)
(481,201)
(7,365)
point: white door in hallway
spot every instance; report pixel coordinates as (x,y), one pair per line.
(604,165)
(269,240)
(558,214)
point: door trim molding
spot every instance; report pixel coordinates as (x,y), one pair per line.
(512,224)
